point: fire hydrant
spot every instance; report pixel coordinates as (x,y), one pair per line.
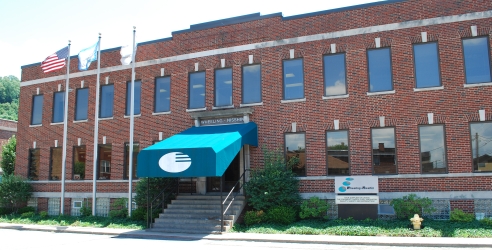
(416,222)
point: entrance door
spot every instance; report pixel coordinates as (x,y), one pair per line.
(231,176)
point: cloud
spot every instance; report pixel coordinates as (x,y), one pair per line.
(337,89)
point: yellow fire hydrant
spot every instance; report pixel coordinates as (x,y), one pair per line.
(416,222)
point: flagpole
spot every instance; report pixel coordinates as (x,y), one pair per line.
(96,128)
(132,110)
(64,155)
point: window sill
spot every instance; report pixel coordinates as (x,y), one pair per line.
(37,125)
(251,104)
(335,97)
(194,110)
(381,93)
(106,118)
(79,121)
(56,123)
(223,107)
(127,116)
(428,89)
(471,85)
(293,100)
(162,113)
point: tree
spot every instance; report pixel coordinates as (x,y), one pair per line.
(8,156)
(9,97)
(14,192)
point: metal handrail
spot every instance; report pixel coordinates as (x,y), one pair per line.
(175,182)
(243,177)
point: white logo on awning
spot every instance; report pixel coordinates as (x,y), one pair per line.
(174,162)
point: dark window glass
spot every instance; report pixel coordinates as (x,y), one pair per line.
(426,62)
(37,110)
(337,152)
(136,150)
(295,153)
(137,87)
(81,107)
(197,90)
(79,155)
(223,87)
(56,164)
(477,60)
(162,94)
(432,149)
(252,84)
(293,79)
(107,95)
(58,107)
(104,162)
(481,141)
(33,172)
(334,74)
(379,66)
(383,150)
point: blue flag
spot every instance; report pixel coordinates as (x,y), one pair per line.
(86,56)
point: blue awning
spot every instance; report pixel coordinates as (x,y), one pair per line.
(196,152)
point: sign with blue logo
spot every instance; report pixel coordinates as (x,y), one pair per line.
(356,185)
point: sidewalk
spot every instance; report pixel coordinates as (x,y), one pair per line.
(321,239)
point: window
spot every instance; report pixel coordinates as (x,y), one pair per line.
(481,145)
(58,107)
(104,162)
(295,152)
(477,59)
(33,171)
(79,154)
(252,84)
(136,150)
(162,94)
(223,87)
(82,104)
(334,74)
(426,63)
(293,79)
(337,152)
(432,149)
(56,164)
(196,90)
(379,66)
(106,107)
(383,150)
(137,87)
(37,110)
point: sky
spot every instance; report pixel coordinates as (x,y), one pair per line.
(31,30)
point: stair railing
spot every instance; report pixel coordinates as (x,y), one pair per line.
(170,189)
(243,178)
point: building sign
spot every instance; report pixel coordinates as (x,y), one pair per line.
(221,121)
(355,199)
(356,185)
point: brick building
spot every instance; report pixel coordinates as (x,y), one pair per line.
(396,89)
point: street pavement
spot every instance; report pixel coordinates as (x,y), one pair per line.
(284,238)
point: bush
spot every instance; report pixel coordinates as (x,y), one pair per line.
(28,215)
(8,156)
(410,204)
(85,211)
(14,192)
(156,185)
(486,221)
(43,214)
(119,209)
(139,214)
(4,211)
(313,208)
(254,217)
(273,186)
(457,215)
(282,215)
(26,210)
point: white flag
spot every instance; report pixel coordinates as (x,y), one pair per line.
(126,54)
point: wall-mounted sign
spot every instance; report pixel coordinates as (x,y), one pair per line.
(221,121)
(356,199)
(356,185)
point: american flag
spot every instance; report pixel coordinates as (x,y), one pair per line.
(55,61)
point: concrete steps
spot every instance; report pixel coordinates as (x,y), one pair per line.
(198,214)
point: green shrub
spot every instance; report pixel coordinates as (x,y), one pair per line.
(118,208)
(28,215)
(43,214)
(8,156)
(14,192)
(26,210)
(139,214)
(4,211)
(457,215)
(85,211)
(282,215)
(254,217)
(313,208)
(273,186)
(410,204)
(486,221)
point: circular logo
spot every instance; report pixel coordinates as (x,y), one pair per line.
(346,183)
(342,189)
(174,162)
(349,179)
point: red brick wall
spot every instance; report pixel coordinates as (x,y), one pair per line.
(467,206)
